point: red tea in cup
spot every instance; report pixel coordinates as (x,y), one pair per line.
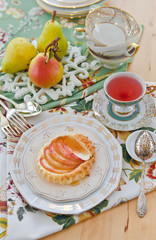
(124,88)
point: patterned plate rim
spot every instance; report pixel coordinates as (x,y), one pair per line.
(75,207)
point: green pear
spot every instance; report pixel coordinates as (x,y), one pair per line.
(51,31)
(18,55)
(63,46)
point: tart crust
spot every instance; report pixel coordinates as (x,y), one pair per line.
(78,173)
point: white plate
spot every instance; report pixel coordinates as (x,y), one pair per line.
(110,183)
(130,143)
(71,3)
(56,192)
(145,108)
(65,12)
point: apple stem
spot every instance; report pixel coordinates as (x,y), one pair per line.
(54,48)
(53,17)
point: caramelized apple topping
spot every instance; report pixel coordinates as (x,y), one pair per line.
(64,156)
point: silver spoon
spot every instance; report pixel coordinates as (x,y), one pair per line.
(144,149)
(27,109)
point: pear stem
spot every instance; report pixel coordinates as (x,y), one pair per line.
(54,14)
(55,48)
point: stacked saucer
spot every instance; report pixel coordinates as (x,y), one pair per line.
(68,8)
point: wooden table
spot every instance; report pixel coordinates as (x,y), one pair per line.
(122,222)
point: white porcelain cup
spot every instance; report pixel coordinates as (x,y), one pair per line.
(111,32)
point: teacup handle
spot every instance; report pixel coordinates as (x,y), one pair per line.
(132,49)
(153,88)
(82,30)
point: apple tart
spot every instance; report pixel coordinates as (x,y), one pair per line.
(66,158)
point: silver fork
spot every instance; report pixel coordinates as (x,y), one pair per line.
(15,119)
(6,127)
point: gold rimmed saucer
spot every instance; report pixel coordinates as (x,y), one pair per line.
(71,4)
(110,62)
(73,12)
(61,12)
(143,115)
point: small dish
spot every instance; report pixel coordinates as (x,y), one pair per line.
(130,146)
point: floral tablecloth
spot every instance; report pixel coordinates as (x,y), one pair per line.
(25,222)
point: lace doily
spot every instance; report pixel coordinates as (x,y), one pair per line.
(75,69)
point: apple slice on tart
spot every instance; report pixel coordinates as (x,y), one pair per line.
(66,159)
(61,156)
(72,148)
(54,163)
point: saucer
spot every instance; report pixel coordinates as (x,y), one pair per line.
(126,117)
(146,109)
(70,4)
(109,62)
(71,10)
(130,146)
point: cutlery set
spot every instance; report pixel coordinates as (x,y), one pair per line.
(6,126)
(26,109)
(13,124)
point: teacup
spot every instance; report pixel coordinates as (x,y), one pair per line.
(124,90)
(111,32)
